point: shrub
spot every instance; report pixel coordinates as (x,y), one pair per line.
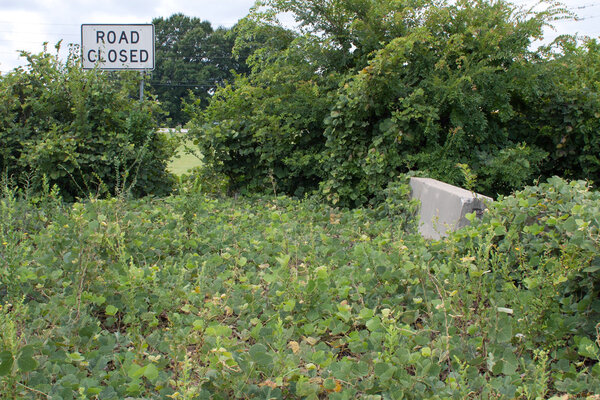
(443,94)
(264,131)
(522,290)
(560,109)
(82,130)
(549,238)
(535,256)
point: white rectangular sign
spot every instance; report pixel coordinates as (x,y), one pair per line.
(116,47)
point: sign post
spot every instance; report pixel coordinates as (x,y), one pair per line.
(142,75)
(114,47)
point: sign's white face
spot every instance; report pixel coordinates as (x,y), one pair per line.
(115,47)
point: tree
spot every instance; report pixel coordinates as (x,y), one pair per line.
(561,108)
(265,130)
(190,56)
(408,85)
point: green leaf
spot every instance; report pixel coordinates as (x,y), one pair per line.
(75,356)
(471,217)
(329,384)
(596,370)
(94,391)
(510,365)
(135,371)
(304,388)
(26,362)
(151,372)
(531,283)
(384,371)
(496,366)
(366,313)
(283,260)
(218,330)
(426,352)
(504,331)
(98,300)
(587,348)
(198,324)
(259,354)
(94,225)
(523,203)
(6,363)
(593,268)
(289,305)
(374,324)
(111,310)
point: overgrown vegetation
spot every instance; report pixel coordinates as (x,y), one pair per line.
(365,90)
(197,295)
(84,131)
(192,297)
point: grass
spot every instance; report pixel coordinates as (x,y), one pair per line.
(187,157)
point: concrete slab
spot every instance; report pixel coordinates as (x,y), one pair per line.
(443,206)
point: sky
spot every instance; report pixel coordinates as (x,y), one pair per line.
(26,24)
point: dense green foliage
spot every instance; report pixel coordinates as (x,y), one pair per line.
(190,56)
(562,110)
(85,131)
(265,130)
(195,297)
(253,126)
(366,90)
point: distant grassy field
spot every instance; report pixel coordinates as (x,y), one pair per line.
(187,157)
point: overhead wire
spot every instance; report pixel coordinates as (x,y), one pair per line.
(183,85)
(192,46)
(38,23)
(583,7)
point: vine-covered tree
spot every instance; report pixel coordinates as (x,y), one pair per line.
(365,90)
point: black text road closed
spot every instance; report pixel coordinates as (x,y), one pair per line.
(114,47)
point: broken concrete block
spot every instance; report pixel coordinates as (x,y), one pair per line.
(443,206)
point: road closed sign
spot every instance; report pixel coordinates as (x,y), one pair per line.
(116,47)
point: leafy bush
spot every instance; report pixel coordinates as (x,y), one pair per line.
(442,94)
(531,265)
(203,180)
(560,109)
(81,130)
(264,131)
(549,238)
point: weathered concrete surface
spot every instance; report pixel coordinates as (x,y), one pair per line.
(443,206)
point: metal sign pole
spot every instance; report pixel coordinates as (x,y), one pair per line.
(142,73)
